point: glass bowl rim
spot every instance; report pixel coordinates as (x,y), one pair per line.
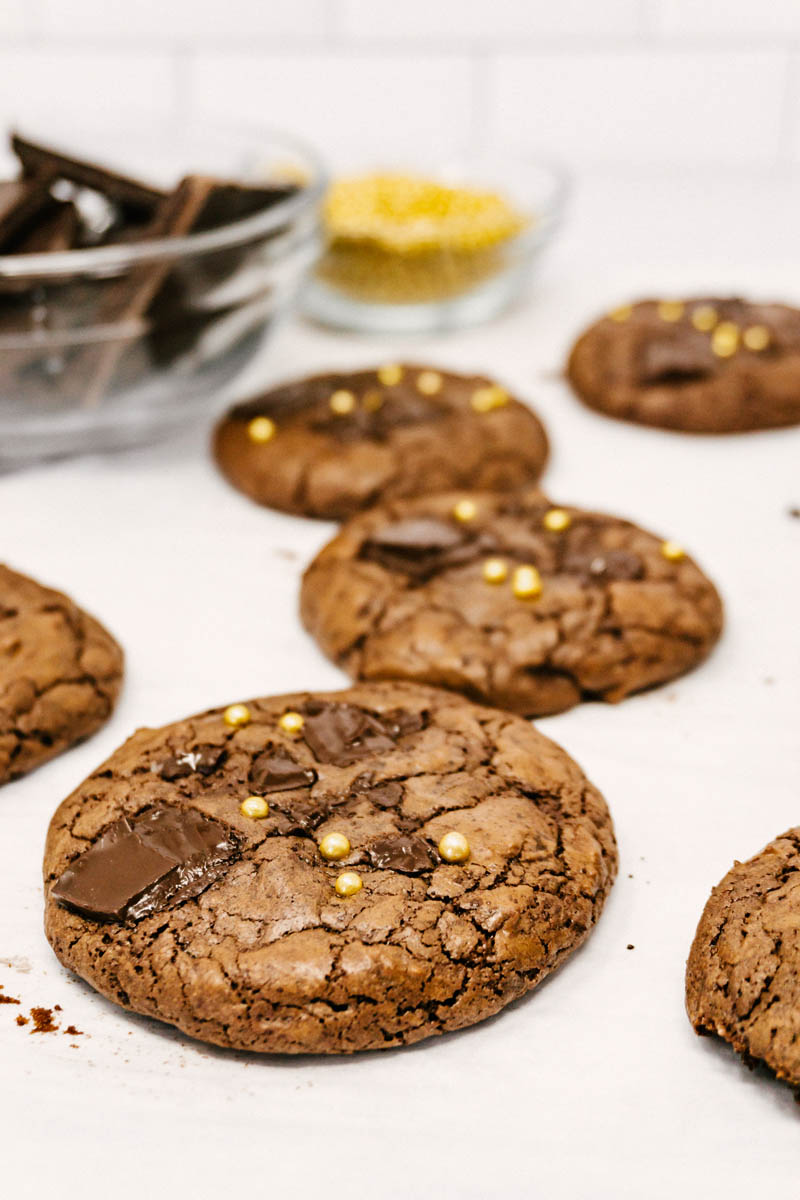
(112,259)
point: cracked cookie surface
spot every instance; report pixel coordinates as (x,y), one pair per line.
(268,956)
(331,445)
(402,592)
(60,674)
(705,365)
(743,973)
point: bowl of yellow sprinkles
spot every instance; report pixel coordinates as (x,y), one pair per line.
(413,251)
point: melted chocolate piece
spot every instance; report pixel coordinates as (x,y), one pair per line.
(683,356)
(382,795)
(341,734)
(398,408)
(275,771)
(401,852)
(421,546)
(606,566)
(143,865)
(203,761)
(300,816)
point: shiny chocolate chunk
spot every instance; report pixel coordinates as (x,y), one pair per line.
(276,771)
(145,864)
(203,760)
(682,356)
(382,795)
(420,546)
(342,733)
(299,816)
(401,852)
(606,566)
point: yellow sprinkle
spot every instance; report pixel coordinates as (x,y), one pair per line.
(465,510)
(348,883)
(371,401)
(334,846)
(254,807)
(556,520)
(623,313)
(526,583)
(484,399)
(261,429)
(756,337)
(670,310)
(292,722)
(390,374)
(672,551)
(704,318)
(454,847)
(342,403)
(725,339)
(429,383)
(495,570)
(236,715)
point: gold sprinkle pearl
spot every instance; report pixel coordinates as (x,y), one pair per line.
(756,337)
(254,807)
(390,374)
(672,552)
(484,399)
(342,403)
(556,520)
(348,883)
(236,715)
(292,722)
(465,510)
(261,430)
(526,583)
(704,318)
(454,847)
(334,846)
(623,313)
(429,383)
(670,310)
(725,339)
(495,570)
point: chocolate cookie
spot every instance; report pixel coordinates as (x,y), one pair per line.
(328,873)
(509,600)
(704,366)
(743,974)
(334,444)
(60,674)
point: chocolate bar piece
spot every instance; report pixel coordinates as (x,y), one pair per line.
(121,189)
(21,202)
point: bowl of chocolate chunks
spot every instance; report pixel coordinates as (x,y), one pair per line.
(139,274)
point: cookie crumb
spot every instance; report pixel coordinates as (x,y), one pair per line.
(794,512)
(73,1032)
(22,1020)
(7,999)
(43,1020)
(630,946)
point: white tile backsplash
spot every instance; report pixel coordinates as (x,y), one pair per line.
(667,82)
(490,19)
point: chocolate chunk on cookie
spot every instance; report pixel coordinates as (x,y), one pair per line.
(705,365)
(743,973)
(60,674)
(509,600)
(432,861)
(332,445)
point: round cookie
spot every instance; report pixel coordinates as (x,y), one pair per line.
(509,600)
(60,674)
(467,856)
(705,365)
(743,973)
(334,444)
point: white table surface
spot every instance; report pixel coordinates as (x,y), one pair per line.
(594,1085)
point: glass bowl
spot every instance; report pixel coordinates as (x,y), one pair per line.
(118,344)
(363,286)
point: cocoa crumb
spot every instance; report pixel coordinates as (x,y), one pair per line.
(43,1020)
(630,946)
(73,1031)
(22,1020)
(8,999)
(794,512)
